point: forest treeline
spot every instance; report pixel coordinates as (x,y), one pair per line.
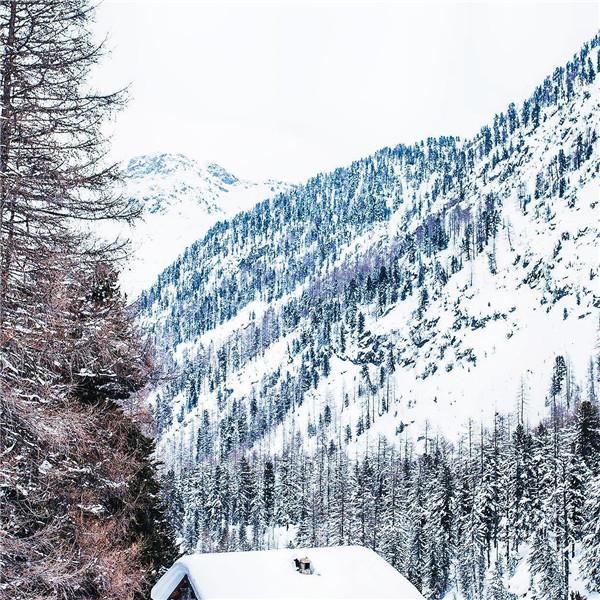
(79,510)
(450,515)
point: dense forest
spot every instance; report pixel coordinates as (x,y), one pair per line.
(80,516)
(454,516)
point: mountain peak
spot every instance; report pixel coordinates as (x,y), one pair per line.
(163,163)
(180,198)
(169,164)
(218,172)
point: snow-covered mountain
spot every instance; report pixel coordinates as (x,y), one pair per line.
(181,200)
(408,299)
(431,281)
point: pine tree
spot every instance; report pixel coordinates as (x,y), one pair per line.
(587,434)
(268,492)
(495,589)
(487,508)
(286,491)
(466,532)
(246,491)
(416,543)
(394,535)
(438,532)
(590,560)
(519,488)
(545,564)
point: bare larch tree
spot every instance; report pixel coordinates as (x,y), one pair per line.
(79,513)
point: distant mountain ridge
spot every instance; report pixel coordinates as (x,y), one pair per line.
(180,200)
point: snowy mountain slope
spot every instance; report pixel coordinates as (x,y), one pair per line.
(181,201)
(472,265)
(406,301)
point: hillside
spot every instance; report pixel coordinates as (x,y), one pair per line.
(417,296)
(423,280)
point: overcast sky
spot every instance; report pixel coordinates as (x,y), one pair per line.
(287,89)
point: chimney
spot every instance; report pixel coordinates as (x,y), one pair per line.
(303,566)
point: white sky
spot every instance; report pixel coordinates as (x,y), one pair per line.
(287,89)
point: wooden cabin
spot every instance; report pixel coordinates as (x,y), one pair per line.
(183,590)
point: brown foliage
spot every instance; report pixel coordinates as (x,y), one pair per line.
(69,454)
(75,472)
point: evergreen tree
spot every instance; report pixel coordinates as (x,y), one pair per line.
(587,434)
(82,487)
(590,561)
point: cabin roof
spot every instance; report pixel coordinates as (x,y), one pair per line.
(339,572)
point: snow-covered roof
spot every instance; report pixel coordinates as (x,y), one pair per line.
(339,572)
